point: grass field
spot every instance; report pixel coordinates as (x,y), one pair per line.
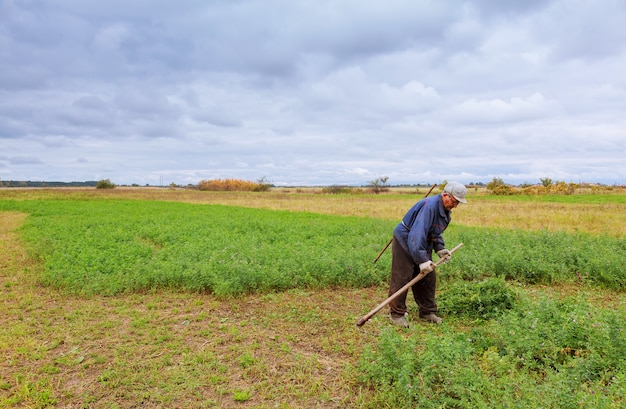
(296,344)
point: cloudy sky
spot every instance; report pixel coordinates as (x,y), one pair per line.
(314,92)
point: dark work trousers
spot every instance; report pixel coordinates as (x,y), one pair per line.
(403,270)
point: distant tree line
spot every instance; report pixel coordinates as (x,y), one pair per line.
(30,183)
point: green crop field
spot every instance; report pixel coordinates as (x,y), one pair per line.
(127,246)
(179,299)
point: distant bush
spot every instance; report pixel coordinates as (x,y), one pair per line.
(498,187)
(546,182)
(547,187)
(337,189)
(379,185)
(105,184)
(232,185)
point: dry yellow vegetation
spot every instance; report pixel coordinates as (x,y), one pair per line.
(597,218)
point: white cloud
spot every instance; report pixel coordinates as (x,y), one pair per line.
(515,109)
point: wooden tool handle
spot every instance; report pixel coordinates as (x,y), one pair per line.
(392,297)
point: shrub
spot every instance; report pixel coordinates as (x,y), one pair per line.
(379,185)
(105,184)
(337,189)
(549,187)
(234,185)
(546,182)
(262,185)
(498,187)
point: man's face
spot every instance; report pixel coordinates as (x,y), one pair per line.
(449,202)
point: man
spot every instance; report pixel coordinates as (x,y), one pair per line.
(414,239)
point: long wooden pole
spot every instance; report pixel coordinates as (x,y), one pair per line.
(395,295)
(391,239)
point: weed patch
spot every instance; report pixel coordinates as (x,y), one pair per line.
(538,354)
(477,300)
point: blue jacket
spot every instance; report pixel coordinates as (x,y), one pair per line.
(419,232)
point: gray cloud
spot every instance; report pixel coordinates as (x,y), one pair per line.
(24,160)
(312,92)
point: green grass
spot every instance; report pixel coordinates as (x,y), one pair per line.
(540,257)
(109,247)
(166,304)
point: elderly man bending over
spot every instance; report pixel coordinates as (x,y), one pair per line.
(414,239)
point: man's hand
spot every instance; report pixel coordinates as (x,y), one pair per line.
(444,253)
(427,267)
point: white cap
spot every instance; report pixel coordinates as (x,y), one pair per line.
(457,190)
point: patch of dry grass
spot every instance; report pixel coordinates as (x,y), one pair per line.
(609,218)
